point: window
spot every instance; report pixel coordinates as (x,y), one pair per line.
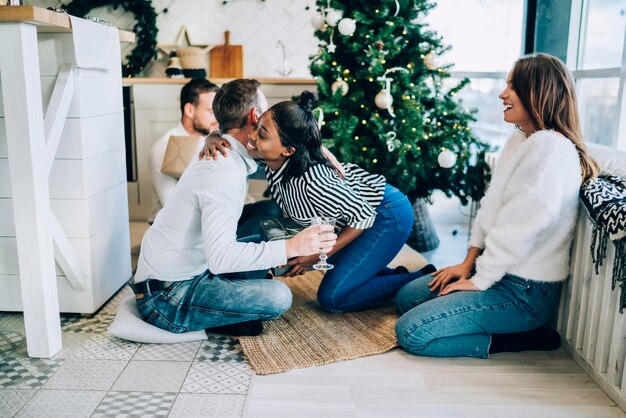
(602,37)
(598,109)
(486,39)
(482,94)
(485,35)
(598,69)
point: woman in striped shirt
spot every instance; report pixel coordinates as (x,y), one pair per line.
(374,218)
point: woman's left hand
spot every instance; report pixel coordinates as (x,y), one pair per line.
(461,284)
(301,265)
(214,144)
(334,162)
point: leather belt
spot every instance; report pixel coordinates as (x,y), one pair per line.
(149,286)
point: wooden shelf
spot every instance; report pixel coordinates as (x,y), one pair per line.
(47,20)
(181,81)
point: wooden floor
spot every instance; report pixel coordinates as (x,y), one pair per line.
(396,384)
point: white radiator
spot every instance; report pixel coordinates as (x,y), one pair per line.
(592,329)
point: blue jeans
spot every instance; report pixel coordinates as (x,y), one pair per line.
(208,301)
(460,324)
(360,278)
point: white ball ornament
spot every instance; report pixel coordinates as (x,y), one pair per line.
(383,99)
(340,85)
(317,21)
(446,158)
(431,61)
(347,26)
(333,17)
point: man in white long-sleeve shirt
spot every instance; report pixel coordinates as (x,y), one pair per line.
(187,274)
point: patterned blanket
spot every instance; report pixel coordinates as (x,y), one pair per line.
(605,201)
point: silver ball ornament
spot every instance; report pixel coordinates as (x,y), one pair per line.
(446,158)
(333,17)
(383,99)
(347,26)
(317,21)
(340,85)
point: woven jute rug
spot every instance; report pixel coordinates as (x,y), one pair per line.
(306,336)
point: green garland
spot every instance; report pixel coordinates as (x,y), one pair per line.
(145,28)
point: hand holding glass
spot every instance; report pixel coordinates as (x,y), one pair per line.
(322,220)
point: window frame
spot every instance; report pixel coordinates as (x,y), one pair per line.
(576,43)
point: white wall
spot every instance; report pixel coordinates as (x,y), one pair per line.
(257,25)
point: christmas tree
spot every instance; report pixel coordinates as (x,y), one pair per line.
(387,106)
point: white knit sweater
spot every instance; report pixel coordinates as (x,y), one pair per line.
(526,219)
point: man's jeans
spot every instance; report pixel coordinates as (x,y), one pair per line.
(360,278)
(460,324)
(208,301)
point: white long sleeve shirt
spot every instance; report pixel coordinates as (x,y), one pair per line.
(163,184)
(197,228)
(527,218)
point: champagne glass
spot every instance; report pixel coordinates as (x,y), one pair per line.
(322,220)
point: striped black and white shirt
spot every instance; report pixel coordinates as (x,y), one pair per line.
(320,192)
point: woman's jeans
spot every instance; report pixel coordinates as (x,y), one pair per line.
(460,324)
(360,278)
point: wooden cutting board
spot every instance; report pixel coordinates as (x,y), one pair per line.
(226,61)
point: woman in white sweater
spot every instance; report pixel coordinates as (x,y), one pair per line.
(520,242)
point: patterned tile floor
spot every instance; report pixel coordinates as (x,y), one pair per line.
(98,375)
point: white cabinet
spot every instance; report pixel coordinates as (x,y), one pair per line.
(156,109)
(87,184)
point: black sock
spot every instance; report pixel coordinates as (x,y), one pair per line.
(428,269)
(400,270)
(240,329)
(538,339)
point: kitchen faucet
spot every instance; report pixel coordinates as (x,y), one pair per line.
(286,70)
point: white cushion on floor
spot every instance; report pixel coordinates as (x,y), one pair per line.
(129,325)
